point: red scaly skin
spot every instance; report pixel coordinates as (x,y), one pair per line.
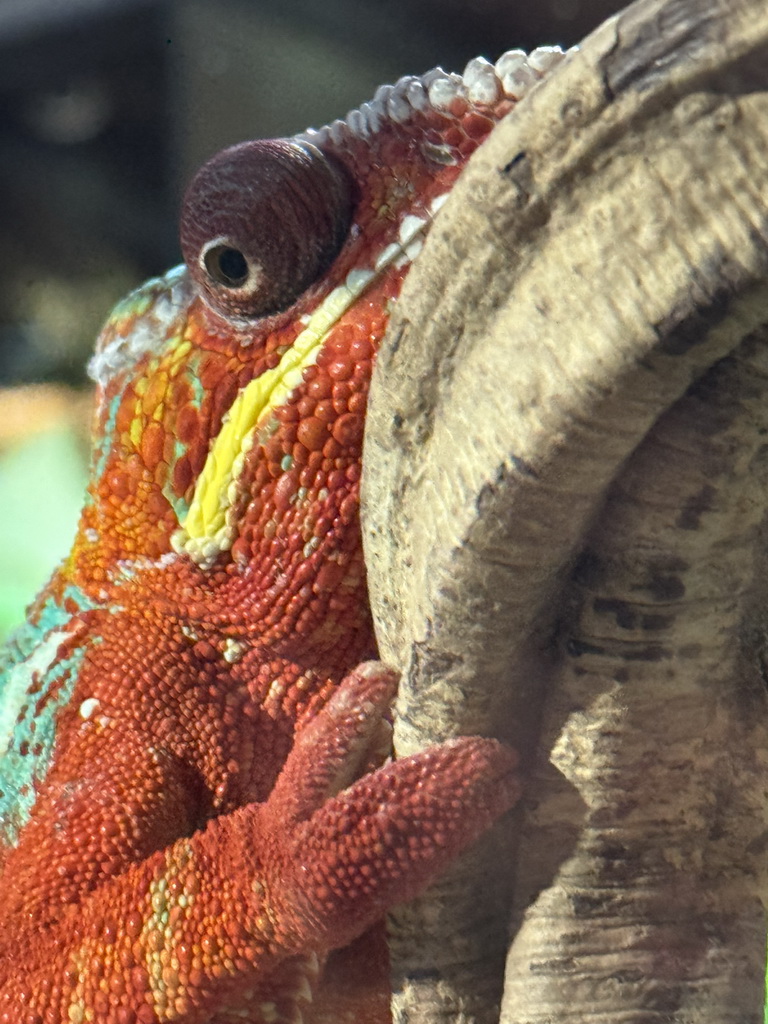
(186,722)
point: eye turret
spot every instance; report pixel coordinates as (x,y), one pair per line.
(261,222)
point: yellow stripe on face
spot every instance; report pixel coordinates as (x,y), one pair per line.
(205,530)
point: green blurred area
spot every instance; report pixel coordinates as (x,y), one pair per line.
(42,481)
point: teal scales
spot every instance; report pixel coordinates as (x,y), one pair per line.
(35,683)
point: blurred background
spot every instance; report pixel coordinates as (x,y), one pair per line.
(106,108)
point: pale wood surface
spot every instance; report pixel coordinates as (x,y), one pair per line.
(565,479)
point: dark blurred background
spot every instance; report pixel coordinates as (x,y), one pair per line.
(106,107)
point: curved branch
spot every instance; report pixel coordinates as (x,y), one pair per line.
(564,518)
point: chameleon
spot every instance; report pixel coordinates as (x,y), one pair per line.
(198,805)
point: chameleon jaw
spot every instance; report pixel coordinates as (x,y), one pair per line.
(208,527)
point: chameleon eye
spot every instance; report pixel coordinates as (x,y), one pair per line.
(261,221)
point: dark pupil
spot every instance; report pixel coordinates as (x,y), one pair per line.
(227,266)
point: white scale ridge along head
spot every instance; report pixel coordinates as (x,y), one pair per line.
(482,84)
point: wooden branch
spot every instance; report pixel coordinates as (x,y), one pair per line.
(565,523)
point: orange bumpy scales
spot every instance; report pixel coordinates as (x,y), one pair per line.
(193,811)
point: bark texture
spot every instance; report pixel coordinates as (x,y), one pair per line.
(565,519)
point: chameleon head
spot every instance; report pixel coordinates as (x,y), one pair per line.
(232,391)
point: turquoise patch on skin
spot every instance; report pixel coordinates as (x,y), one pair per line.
(198,391)
(101,453)
(179,505)
(28,722)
